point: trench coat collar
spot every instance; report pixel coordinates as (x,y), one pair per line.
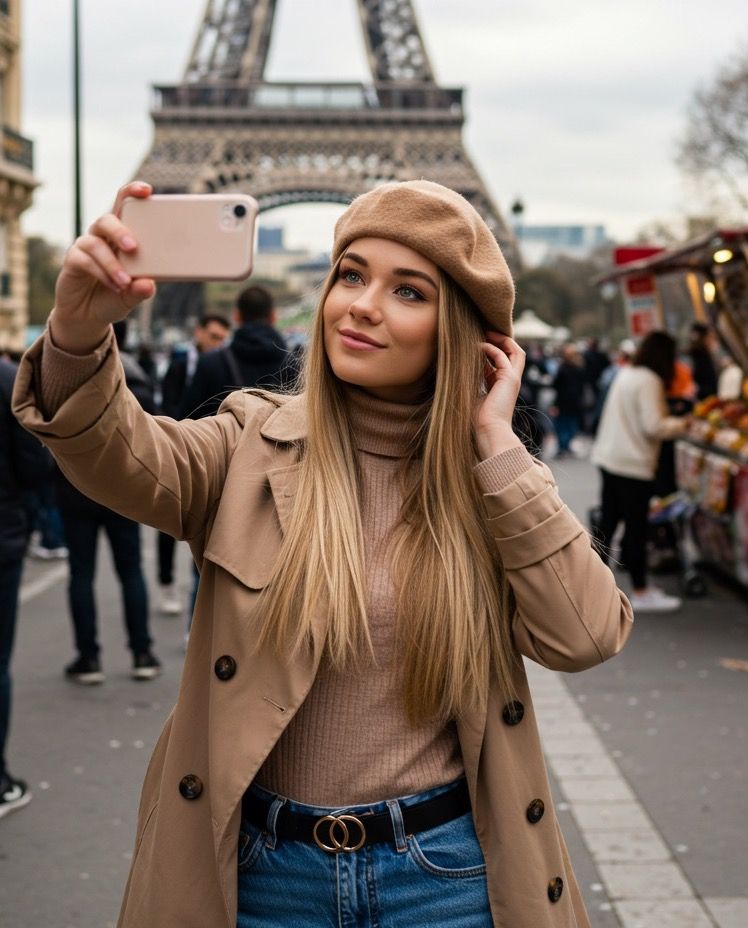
(289,422)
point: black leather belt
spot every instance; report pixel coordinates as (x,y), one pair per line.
(348,832)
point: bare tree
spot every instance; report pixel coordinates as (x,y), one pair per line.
(714,147)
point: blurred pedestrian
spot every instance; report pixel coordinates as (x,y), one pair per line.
(256,356)
(83,519)
(703,368)
(595,362)
(569,383)
(210,333)
(378,552)
(634,422)
(24,463)
(47,532)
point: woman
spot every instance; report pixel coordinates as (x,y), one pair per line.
(634,422)
(354,739)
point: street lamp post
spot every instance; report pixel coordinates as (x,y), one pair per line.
(77,117)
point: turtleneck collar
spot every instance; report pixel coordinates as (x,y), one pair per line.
(381,427)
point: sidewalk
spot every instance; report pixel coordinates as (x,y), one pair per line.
(648,753)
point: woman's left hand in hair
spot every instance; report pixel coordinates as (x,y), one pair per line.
(505,361)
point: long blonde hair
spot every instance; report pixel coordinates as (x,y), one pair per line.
(453,602)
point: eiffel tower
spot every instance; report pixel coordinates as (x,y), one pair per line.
(224,127)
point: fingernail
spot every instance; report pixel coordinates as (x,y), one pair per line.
(123,279)
(128,243)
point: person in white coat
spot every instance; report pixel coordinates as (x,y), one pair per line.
(634,422)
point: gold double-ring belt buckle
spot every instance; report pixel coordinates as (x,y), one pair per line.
(339,833)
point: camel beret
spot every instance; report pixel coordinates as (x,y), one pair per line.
(441,225)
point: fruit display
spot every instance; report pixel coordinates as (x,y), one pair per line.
(722,424)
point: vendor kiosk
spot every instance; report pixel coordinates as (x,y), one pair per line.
(712,459)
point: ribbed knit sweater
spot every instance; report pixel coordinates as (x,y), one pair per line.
(350,742)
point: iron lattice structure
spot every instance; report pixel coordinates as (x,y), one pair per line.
(224,127)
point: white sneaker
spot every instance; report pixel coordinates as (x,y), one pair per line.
(170,604)
(654,600)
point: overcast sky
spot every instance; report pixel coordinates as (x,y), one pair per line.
(573,106)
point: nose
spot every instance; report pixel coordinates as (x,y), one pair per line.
(366,306)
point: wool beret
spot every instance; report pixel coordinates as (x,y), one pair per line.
(441,225)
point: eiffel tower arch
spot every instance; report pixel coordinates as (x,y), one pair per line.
(224,127)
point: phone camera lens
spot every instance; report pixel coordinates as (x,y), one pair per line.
(240,210)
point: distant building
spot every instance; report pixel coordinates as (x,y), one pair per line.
(541,244)
(270,238)
(17,184)
(273,260)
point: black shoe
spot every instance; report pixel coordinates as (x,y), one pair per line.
(145,666)
(85,670)
(14,794)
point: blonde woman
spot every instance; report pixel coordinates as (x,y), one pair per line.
(354,741)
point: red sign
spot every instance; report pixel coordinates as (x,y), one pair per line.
(640,285)
(630,253)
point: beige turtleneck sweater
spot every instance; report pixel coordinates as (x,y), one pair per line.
(350,743)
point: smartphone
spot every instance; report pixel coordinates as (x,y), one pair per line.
(191,236)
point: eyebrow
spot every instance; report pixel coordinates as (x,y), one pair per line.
(398,271)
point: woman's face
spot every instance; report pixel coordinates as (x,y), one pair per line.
(380,319)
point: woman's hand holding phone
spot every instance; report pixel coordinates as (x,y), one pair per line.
(93,289)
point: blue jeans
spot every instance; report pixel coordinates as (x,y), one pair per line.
(566,428)
(436,877)
(81,531)
(10,582)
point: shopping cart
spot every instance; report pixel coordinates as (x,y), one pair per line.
(669,518)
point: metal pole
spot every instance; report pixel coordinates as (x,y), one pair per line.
(77,117)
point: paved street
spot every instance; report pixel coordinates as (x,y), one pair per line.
(647,755)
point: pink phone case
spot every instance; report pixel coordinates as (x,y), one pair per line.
(191,236)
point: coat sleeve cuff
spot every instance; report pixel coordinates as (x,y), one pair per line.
(63,373)
(499,471)
(528,519)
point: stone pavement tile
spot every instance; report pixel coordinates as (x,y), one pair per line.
(663,880)
(556,728)
(729,913)
(626,846)
(577,745)
(605,789)
(611,816)
(678,913)
(583,767)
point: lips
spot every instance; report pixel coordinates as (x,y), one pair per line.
(350,335)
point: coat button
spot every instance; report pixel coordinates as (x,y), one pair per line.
(190,786)
(555,888)
(513,713)
(225,667)
(535,811)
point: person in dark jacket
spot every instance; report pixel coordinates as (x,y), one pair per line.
(569,384)
(702,363)
(24,465)
(82,518)
(256,357)
(210,333)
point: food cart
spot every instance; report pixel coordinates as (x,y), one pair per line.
(712,459)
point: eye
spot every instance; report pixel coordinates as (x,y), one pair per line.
(409,293)
(350,276)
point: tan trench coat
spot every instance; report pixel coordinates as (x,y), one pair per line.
(226,484)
